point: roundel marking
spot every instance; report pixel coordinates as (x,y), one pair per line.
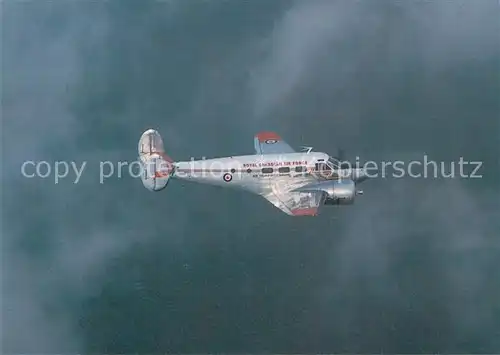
(227,177)
(271,141)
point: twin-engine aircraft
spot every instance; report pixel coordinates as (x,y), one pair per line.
(298,183)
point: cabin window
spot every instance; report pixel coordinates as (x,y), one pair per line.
(267,170)
(249,170)
(300,169)
(233,171)
(284,169)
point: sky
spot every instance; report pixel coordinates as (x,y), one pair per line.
(110,267)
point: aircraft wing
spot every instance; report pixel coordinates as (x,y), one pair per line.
(271,143)
(294,203)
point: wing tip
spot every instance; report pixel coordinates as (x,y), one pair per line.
(305,212)
(266,136)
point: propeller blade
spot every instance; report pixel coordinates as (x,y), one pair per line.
(341,154)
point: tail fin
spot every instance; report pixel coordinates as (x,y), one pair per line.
(157,167)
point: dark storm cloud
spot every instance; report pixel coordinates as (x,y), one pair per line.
(111,268)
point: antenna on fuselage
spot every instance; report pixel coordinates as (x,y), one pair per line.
(307,149)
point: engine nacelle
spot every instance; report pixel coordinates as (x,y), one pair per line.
(341,192)
(338,192)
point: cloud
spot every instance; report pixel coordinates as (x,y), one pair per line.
(298,37)
(50,260)
(413,268)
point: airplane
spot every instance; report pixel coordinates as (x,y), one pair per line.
(297,183)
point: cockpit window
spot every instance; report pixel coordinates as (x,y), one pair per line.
(322,167)
(337,164)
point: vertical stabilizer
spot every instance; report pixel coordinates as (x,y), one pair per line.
(157,166)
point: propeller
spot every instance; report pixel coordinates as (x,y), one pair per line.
(342,157)
(341,154)
(345,163)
